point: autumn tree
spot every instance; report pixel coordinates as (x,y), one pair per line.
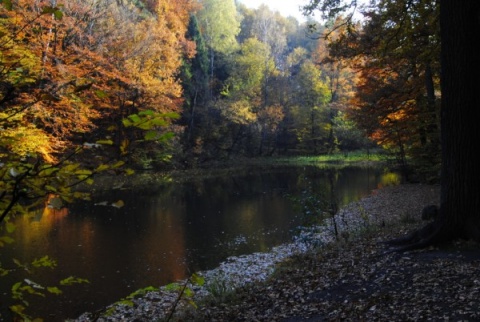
(59,92)
(396,53)
(91,75)
(40,113)
(68,73)
(147,47)
(340,79)
(458,214)
(310,109)
(242,94)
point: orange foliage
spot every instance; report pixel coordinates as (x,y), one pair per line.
(100,61)
(384,106)
(271,116)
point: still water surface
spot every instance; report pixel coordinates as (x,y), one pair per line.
(167,232)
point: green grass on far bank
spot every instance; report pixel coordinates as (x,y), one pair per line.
(236,166)
(352,157)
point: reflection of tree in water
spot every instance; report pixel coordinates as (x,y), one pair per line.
(313,198)
(318,200)
(333,202)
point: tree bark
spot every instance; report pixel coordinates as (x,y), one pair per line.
(459,214)
(460,202)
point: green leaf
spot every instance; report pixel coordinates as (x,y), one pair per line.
(135,118)
(106,142)
(54,290)
(80,195)
(144,125)
(17,262)
(50,188)
(172,287)
(48,171)
(58,14)
(67,199)
(150,135)
(47,10)
(159,122)
(127,123)
(16,286)
(147,112)
(192,303)
(167,136)
(142,291)
(188,292)
(3,272)
(73,280)
(6,240)
(126,302)
(10,227)
(101,94)
(7,4)
(150,289)
(197,279)
(31,290)
(172,115)
(45,261)
(18,309)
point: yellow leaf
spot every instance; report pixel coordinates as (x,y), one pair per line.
(118,164)
(71,167)
(108,142)
(124,147)
(102,167)
(83,172)
(118,204)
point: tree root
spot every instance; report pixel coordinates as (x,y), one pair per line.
(431,234)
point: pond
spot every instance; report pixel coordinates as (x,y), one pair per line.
(165,233)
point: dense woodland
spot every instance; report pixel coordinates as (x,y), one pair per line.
(189,82)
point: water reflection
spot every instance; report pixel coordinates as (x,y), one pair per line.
(165,233)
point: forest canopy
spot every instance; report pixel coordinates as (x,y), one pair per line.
(162,84)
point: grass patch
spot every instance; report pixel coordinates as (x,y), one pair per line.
(354,157)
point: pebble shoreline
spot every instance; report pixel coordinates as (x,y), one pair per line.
(383,207)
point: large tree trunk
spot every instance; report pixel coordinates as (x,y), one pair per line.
(459,214)
(460,200)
